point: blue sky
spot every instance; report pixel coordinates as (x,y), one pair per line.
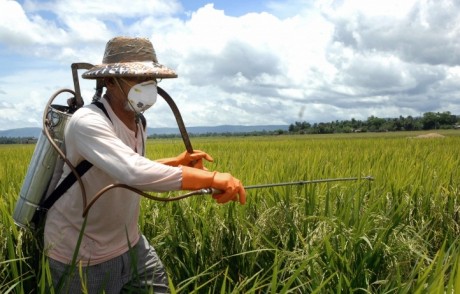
(231,8)
(243,62)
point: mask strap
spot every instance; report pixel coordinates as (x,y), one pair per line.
(126,96)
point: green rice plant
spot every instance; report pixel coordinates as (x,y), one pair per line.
(396,234)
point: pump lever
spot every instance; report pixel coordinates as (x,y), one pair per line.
(75,67)
(180,122)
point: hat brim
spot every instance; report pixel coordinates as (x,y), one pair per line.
(130,69)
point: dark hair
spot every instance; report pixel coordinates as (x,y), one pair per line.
(99,89)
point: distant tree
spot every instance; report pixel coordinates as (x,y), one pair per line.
(447,119)
(374,123)
(408,123)
(430,121)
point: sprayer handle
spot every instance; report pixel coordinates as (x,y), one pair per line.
(210,191)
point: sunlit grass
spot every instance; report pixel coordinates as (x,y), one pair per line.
(397,234)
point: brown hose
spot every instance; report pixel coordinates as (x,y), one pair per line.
(79,103)
(47,126)
(109,187)
(188,146)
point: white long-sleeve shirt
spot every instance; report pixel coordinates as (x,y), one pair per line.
(113,219)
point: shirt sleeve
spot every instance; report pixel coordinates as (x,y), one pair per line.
(94,138)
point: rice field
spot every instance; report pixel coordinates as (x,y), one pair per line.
(396,234)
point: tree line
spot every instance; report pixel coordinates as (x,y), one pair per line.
(428,121)
(17,140)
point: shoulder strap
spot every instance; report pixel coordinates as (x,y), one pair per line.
(81,169)
(102,107)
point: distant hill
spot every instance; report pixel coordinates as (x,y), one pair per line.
(218,129)
(35,132)
(21,133)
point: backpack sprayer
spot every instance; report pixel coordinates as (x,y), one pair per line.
(45,167)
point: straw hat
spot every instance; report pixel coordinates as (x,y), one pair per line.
(129,57)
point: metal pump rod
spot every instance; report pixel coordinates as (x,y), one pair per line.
(180,123)
(177,115)
(75,67)
(79,103)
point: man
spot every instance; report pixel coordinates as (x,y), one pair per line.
(114,142)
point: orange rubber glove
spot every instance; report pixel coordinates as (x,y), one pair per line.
(194,159)
(232,189)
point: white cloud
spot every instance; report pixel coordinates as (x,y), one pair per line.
(323,59)
(20,30)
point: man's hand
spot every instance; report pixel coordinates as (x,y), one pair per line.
(194,159)
(230,187)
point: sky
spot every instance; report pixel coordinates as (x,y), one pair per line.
(240,62)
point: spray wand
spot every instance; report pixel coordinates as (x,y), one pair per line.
(207,191)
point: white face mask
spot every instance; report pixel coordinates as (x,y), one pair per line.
(142,96)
